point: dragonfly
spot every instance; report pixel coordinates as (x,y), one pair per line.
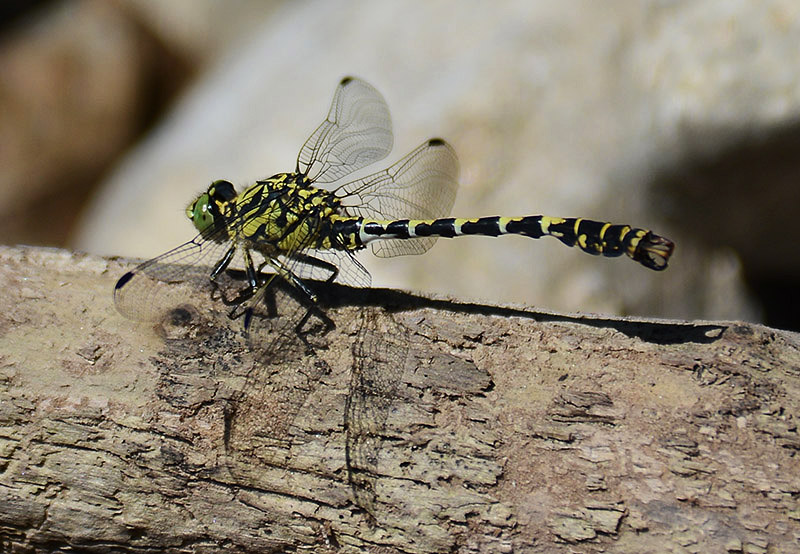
(307,225)
(303,230)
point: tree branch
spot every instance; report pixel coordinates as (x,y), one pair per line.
(466,427)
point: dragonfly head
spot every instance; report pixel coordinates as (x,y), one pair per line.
(207,208)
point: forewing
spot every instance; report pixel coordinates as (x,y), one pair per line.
(152,289)
(422,185)
(356,133)
(283,329)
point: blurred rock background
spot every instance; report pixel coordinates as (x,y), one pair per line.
(677,116)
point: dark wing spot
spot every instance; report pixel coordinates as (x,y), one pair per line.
(123,280)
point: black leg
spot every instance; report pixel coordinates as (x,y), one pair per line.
(252,278)
(223,263)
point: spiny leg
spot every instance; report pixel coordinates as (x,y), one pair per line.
(253,284)
(288,275)
(303,295)
(260,289)
(223,263)
(242,295)
(252,275)
(268,295)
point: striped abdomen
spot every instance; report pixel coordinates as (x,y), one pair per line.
(594,237)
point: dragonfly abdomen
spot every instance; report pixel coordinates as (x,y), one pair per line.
(593,237)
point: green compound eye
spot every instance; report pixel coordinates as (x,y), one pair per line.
(199,213)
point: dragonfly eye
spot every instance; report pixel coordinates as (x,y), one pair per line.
(200,213)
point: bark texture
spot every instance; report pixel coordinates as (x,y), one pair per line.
(467,428)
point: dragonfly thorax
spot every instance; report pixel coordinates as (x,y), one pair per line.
(283,213)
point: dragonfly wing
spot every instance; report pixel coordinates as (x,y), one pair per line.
(317,265)
(380,356)
(155,287)
(356,133)
(282,331)
(422,185)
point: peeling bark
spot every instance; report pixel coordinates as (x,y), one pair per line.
(477,428)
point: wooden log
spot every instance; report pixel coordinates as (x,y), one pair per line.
(467,427)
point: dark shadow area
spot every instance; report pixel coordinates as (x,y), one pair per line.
(745,196)
(332,296)
(13,11)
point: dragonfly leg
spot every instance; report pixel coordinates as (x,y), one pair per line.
(250,271)
(267,296)
(223,263)
(289,277)
(253,284)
